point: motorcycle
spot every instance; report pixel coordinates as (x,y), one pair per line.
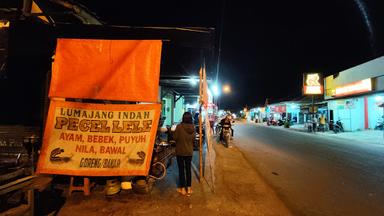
(226,136)
(218,129)
(338,127)
(272,122)
(379,125)
(196,144)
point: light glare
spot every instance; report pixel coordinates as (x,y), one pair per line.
(379,98)
(193,81)
(215,90)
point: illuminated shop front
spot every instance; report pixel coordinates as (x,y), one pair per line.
(354,95)
(172,110)
(284,110)
(309,110)
(277,111)
(258,114)
(293,112)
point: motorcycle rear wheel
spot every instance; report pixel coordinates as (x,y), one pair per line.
(226,140)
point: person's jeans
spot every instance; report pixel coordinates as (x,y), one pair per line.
(184,164)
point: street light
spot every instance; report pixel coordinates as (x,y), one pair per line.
(215,90)
(226,89)
(192,80)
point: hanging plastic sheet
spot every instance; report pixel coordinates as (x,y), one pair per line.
(126,70)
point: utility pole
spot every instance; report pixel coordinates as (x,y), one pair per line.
(220,40)
(313,114)
(219,49)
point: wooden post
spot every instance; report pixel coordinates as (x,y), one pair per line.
(201,143)
(200,128)
(31,201)
(209,146)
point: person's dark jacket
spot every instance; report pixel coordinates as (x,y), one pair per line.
(226,122)
(184,136)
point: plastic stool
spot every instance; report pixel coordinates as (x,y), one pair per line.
(85,187)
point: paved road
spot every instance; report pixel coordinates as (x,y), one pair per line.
(316,175)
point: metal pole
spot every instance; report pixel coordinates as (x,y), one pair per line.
(313,113)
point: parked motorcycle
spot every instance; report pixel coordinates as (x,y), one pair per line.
(379,125)
(196,144)
(338,127)
(272,122)
(322,127)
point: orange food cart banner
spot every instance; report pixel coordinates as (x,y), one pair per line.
(127,70)
(98,139)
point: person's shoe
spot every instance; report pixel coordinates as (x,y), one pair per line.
(189,191)
(181,191)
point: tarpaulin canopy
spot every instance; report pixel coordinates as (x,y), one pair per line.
(126,70)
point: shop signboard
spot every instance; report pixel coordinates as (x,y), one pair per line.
(90,139)
(279,109)
(98,139)
(313,109)
(353,88)
(4,35)
(312,84)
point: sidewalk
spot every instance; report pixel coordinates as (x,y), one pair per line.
(364,136)
(239,190)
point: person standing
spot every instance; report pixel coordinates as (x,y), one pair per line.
(322,122)
(184,136)
(314,124)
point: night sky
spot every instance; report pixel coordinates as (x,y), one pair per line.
(268,45)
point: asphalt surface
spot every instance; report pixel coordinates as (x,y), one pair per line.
(316,175)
